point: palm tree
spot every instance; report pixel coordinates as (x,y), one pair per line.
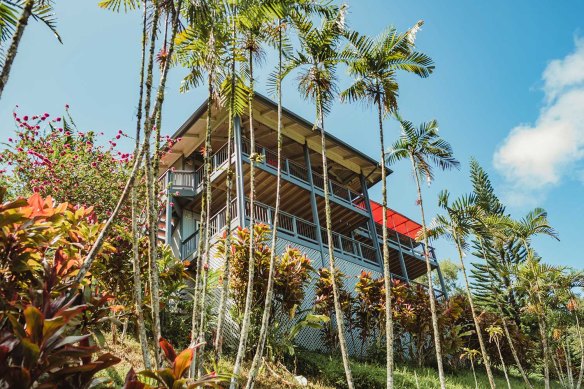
(537,280)
(252,19)
(424,148)
(456,226)
(318,59)
(282,12)
(375,64)
(115,6)
(201,47)
(11,26)
(495,334)
(471,355)
(534,223)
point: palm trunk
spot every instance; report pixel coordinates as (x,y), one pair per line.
(474,374)
(569,374)
(544,343)
(475,319)
(245,326)
(225,288)
(152,217)
(151,171)
(138,288)
(386,271)
(431,295)
(329,233)
(135,238)
(255,366)
(139,154)
(204,239)
(503,363)
(11,52)
(581,341)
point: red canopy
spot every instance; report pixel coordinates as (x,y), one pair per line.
(396,221)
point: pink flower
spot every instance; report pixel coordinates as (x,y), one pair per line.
(25,118)
(117,136)
(57,119)
(66,106)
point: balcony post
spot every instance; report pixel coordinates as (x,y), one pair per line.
(370,221)
(402,262)
(168,224)
(442,284)
(239,188)
(313,204)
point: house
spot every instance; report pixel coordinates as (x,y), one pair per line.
(356,219)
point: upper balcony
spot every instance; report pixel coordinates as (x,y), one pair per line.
(189,183)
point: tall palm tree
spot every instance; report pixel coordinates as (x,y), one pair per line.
(253,27)
(152,161)
(115,5)
(201,49)
(534,223)
(424,147)
(317,81)
(282,12)
(456,226)
(13,27)
(374,67)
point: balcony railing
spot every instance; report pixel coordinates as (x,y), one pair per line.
(305,230)
(416,251)
(297,171)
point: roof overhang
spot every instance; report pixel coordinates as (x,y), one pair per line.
(300,130)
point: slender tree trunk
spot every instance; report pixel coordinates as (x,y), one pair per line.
(386,270)
(544,343)
(329,233)
(138,287)
(475,319)
(581,342)
(228,182)
(11,52)
(503,364)
(245,326)
(140,323)
(258,357)
(431,295)
(204,239)
(569,374)
(139,154)
(152,168)
(474,374)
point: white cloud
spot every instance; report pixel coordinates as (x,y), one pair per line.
(534,157)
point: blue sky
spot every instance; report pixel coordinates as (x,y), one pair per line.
(508,89)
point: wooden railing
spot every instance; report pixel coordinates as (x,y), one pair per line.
(216,225)
(305,230)
(417,251)
(295,170)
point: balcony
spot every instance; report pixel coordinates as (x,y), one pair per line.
(292,228)
(189,183)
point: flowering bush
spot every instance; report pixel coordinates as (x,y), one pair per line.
(52,157)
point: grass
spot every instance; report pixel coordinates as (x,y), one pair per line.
(366,375)
(322,372)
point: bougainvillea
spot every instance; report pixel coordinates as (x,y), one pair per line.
(52,157)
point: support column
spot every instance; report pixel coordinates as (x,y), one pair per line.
(442,284)
(370,221)
(313,205)
(402,262)
(239,186)
(168,221)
